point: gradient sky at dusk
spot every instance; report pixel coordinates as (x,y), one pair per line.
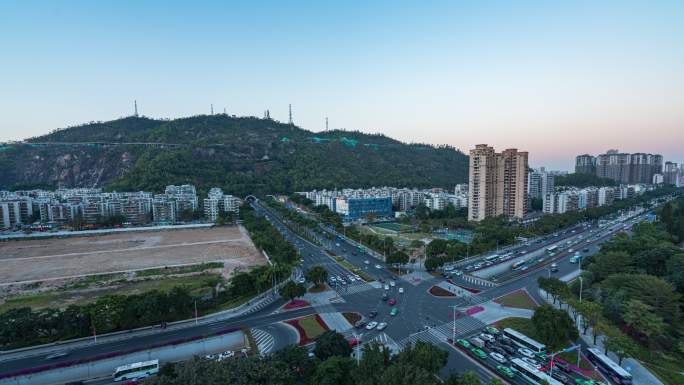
(553,78)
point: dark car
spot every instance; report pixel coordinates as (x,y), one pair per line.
(509,349)
(372,314)
(384,296)
(359,324)
(499,350)
(562,366)
(561,377)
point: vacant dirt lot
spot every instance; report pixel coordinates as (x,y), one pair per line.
(37,260)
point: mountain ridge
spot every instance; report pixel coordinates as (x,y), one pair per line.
(241,154)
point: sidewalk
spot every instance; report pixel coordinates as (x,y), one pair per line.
(640,375)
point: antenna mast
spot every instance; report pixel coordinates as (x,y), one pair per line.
(135,108)
(212,109)
(326,123)
(290,115)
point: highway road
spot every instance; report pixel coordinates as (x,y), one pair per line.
(421,316)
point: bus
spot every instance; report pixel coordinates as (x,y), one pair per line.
(524,341)
(491,257)
(552,249)
(136,370)
(614,371)
(531,374)
(518,265)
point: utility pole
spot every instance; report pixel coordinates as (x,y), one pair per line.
(453,331)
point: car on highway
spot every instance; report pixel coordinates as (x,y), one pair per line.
(562,366)
(384,296)
(506,371)
(508,348)
(498,357)
(225,355)
(401,290)
(532,362)
(392,283)
(392,302)
(378,267)
(487,337)
(367,262)
(359,324)
(386,287)
(56,355)
(448,268)
(463,343)
(381,326)
(371,325)
(526,352)
(554,267)
(458,273)
(394,311)
(479,353)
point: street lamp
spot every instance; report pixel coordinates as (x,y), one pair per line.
(581,281)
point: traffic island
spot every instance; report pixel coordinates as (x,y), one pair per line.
(517,299)
(308,328)
(352,317)
(296,304)
(437,291)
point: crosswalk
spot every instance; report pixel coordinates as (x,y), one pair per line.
(264,340)
(441,333)
(261,304)
(354,288)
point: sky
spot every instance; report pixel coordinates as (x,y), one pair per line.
(553,78)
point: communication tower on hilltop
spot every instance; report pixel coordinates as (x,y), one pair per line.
(290,113)
(326,123)
(267,114)
(135,108)
(212,109)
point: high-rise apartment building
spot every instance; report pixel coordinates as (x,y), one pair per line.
(623,167)
(585,164)
(497,183)
(671,173)
(540,183)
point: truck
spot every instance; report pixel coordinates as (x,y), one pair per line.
(477,341)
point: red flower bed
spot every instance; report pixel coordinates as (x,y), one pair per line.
(304,339)
(474,310)
(296,304)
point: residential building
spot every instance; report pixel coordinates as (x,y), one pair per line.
(623,167)
(218,203)
(671,173)
(605,196)
(658,179)
(585,164)
(497,183)
(540,183)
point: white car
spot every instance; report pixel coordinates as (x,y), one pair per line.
(526,352)
(488,337)
(386,287)
(381,326)
(392,283)
(532,362)
(498,357)
(401,290)
(448,268)
(378,267)
(458,273)
(225,355)
(301,280)
(371,325)
(367,262)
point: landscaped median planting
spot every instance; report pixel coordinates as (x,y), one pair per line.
(296,304)
(440,292)
(308,327)
(518,299)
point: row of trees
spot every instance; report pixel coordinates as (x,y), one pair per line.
(331,365)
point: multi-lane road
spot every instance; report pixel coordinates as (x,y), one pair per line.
(421,316)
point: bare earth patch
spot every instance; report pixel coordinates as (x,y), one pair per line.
(439,292)
(518,299)
(57,258)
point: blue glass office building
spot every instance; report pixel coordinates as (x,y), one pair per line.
(359,207)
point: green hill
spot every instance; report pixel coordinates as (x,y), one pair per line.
(241,154)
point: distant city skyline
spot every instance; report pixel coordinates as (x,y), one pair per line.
(557,80)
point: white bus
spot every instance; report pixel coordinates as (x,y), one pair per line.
(491,257)
(614,371)
(136,370)
(531,374)
(552,249)
(518,265)
(524,341)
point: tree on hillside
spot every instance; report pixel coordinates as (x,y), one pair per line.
(334,371)
(331,343)
(554,326)
(641,318)
(317,274)
(292,290)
